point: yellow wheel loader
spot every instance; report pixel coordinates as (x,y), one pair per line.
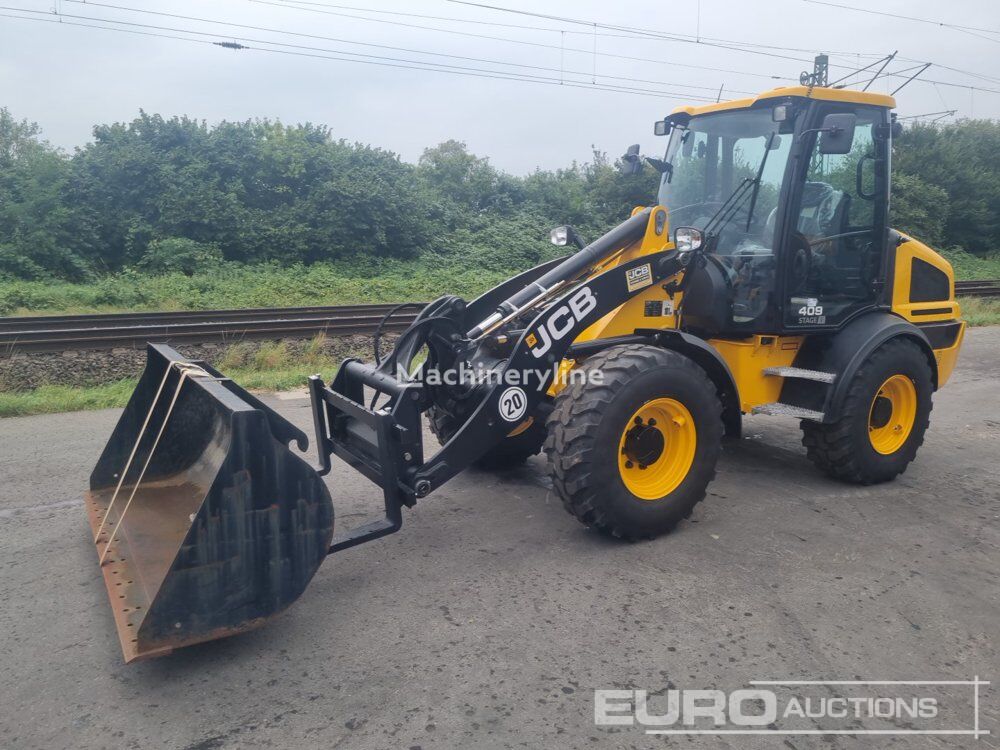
(766,280)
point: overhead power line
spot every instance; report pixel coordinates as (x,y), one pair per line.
(943,24)
(341,56)
(929,114)
(341,40)
(676,37)
(664,35)
(509,40)
(549,29)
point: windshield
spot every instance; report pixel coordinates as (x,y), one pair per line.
(716,159)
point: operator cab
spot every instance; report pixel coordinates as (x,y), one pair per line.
(788,195)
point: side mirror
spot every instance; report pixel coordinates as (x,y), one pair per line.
(687,239)
(659,165)
(661,127)
(565,235)
(631,162)
(837,133)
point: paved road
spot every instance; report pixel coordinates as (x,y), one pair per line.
(492,617)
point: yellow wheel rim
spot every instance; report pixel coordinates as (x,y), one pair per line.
(656,448)
(892,414)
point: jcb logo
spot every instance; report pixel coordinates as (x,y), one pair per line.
(563,320)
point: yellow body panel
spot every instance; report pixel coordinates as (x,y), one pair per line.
(825,94)
(747,358)
(902,280)
(624,319)
(946,358)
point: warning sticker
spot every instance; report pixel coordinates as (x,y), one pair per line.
(639,277)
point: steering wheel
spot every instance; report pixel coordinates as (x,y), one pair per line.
(802,259)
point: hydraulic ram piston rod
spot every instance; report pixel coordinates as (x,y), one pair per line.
(627,232)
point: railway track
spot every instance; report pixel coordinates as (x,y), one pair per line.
(53,333)
(978,288)
(134,330)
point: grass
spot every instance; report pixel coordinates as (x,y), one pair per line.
(347,282)
(237,286)
(970,267)
(51,399)
(54,399)
(272,367)
(980,311)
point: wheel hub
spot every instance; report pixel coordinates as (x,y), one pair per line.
(881,412)
(644,443)
(657,448)
(892,414)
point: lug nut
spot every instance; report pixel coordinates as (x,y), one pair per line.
(652,423)
(629,464)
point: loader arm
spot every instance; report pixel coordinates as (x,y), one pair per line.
(522,329)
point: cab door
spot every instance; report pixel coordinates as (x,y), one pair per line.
(834,237)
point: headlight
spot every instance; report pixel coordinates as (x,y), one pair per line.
(687,239)
(560,236)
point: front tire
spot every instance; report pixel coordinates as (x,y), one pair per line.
(632,453)
(883,419)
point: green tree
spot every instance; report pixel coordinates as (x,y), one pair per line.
(41,234)
(919,209)
(963,160)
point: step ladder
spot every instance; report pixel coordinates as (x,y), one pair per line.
(787,410)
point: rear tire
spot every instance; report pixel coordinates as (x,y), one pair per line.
(600,433)
(883,418)
(508,453)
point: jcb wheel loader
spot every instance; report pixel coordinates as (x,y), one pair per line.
(765,280)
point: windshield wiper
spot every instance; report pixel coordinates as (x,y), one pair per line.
(729,207)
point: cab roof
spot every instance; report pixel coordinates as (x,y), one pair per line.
(825,94)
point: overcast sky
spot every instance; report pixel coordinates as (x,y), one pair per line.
(67,77)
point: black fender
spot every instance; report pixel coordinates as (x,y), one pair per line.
(706,357)
(696,349)
(846,350)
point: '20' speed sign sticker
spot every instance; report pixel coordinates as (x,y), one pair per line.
(513,404)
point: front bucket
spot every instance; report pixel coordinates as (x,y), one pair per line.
(205,523)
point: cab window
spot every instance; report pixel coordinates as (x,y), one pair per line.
(834,246)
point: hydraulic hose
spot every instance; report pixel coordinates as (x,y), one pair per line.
(625,233)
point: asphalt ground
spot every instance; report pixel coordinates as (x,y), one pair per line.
(493,616)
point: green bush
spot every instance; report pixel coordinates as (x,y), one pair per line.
(179,254)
